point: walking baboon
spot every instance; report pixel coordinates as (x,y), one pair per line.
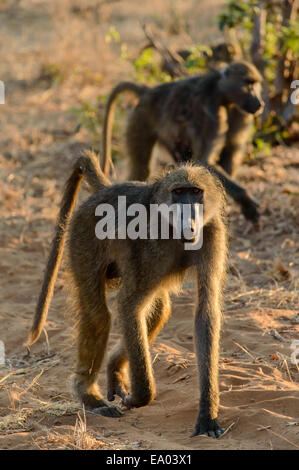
(207,119)
(147,271)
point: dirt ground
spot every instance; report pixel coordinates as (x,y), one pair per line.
(258,381)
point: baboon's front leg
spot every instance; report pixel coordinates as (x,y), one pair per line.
(132,310)
(208,156)
(238,134)
(249,206)
(207,331)
(117,374)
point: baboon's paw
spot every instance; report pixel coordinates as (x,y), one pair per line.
(110,411)
(207,427)
(117,385)
(129,401)
(250,211)
(119,390)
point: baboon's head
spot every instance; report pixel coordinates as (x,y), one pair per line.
(190,185)
(240,83)
(223,52)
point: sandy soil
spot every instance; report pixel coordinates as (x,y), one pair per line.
(258,381)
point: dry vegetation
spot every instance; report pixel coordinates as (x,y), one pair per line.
(53,56)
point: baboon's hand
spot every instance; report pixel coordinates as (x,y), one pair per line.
(207,427)
(131,402)
(117,385)
(250,210)
(110,411)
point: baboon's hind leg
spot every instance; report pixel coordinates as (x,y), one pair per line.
(139,149)
(117,370)
(94,326)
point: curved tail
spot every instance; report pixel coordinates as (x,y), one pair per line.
(108,120)
(86,166)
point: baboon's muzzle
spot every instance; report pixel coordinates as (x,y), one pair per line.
(188,224)
(254,105)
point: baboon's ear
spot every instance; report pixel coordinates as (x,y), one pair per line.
(162,172)
(170,167)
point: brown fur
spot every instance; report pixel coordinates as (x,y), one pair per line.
(207,119)
(148,271)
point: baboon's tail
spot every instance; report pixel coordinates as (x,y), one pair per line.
(89,163)
(108,120)
(86,166)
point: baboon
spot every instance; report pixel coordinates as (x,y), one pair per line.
(147,270)
(207,119)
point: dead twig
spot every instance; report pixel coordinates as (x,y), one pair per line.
(245,350)
(184,377)
(277,335)
(279,435)
(174,61)
(228,428)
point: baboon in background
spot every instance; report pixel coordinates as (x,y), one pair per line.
(207,119)
(148,270)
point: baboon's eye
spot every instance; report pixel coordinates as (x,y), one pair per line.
(196,190)
(250,81)
(178,191)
